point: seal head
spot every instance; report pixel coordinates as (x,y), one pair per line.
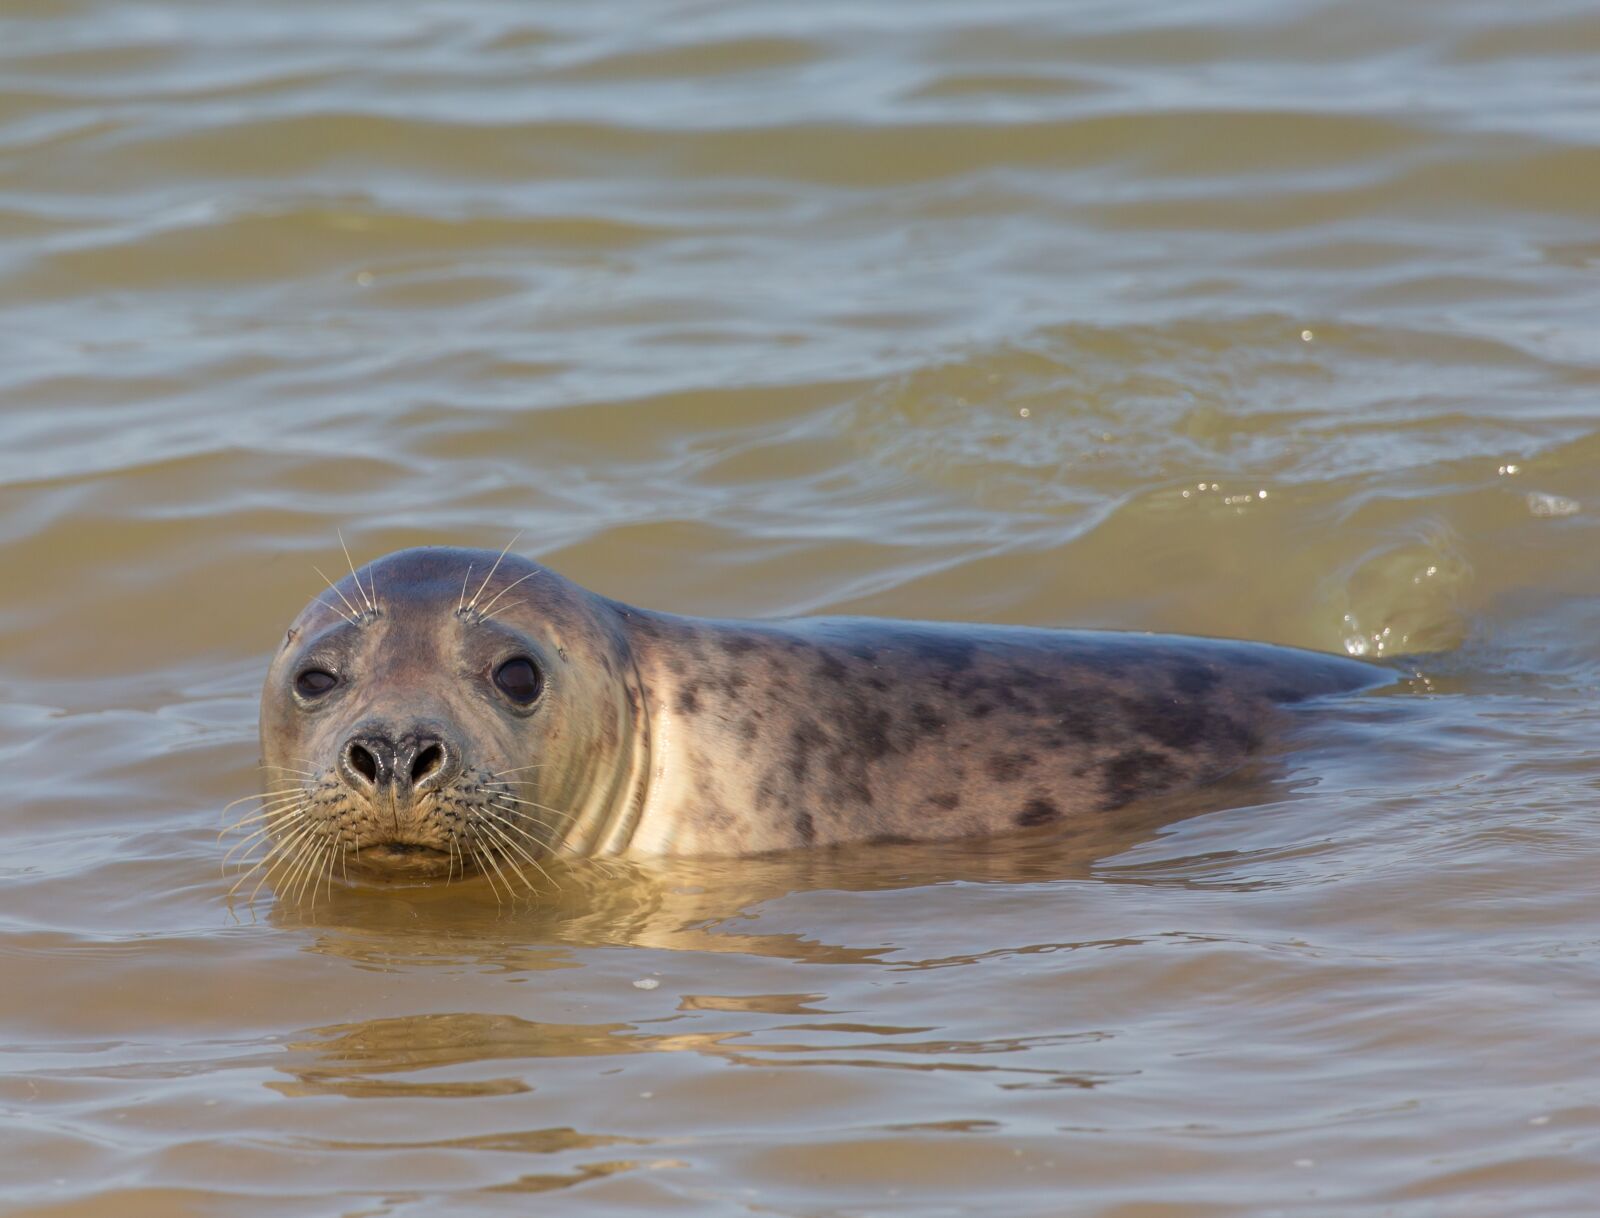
(444,711)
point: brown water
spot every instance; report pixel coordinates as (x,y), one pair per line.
(1274,320)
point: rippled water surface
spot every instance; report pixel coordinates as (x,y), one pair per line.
(1272,320)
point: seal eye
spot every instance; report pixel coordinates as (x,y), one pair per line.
(519,680)
(314,682)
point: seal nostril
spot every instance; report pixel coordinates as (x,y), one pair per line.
(427,762)
(363,762)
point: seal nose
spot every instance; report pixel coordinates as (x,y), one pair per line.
(424,761)
(367,761)
(417,762)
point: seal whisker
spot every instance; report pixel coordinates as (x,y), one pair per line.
(265,812)
(478,854)
(486,616)
(245,876)
(531,804)
(324,861)
(274,816)
(283,855)
(255,816)
(287,785)
(247,856)
(310,878)
(508,840)
(483,613)
(517,769)
(326,872)
(266,796)
(496,858)
(353,575)
(337,610)
(493,569)
(461,605)
(281,790)
(280,787)
(505,841)
(310,852)
(228,896)
(487,878)
(250,862)
(354,616)
(302,872)
(247,866)
(275,821)
(309,870)
(517,815)
(293,864)
(254,839)
(270,800)
(538,821)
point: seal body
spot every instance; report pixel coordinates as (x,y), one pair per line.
(448,710)
(769,735)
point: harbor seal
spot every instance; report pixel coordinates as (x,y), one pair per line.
(444,711)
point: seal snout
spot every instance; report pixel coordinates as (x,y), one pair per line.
(410,763)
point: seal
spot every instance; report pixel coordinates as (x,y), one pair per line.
(444,711)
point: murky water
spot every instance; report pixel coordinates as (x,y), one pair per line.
(1265,320)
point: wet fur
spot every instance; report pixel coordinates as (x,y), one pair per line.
(820,731)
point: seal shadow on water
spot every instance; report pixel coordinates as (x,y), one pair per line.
(443,714)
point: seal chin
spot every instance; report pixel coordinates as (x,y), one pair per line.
(405,860)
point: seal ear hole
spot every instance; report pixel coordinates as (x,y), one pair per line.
(314,682)
(519,679)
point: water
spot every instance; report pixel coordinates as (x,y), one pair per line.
(1263,320)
